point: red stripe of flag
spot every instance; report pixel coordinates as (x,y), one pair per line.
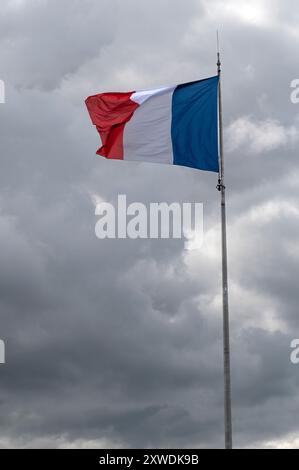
(110,112)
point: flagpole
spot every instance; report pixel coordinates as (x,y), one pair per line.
(226,342)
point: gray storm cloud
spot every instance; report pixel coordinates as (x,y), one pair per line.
(119,342)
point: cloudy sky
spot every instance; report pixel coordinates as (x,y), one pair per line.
(118,343)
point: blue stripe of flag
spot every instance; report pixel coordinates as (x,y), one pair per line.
(194,128)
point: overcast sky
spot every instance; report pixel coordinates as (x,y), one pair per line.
(118,343)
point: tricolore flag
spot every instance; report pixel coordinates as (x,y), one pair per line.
(175,125)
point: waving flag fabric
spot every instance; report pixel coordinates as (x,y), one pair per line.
(175,125)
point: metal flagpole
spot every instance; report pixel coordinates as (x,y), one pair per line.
(226,343)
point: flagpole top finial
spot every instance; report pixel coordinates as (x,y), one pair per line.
(218,53)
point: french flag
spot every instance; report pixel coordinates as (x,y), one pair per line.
(176,125)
